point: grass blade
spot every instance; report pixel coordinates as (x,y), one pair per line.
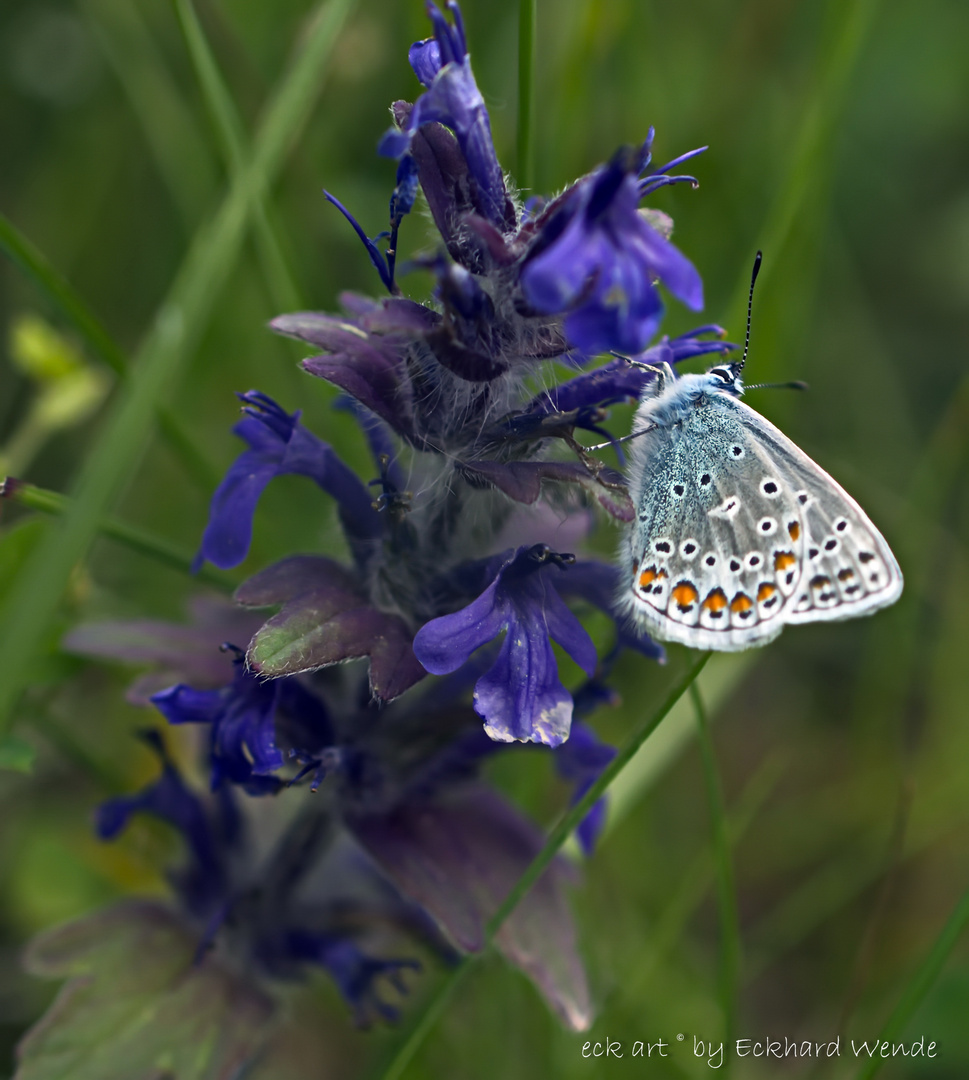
(174,333)
(811,159)
(921,982)
(730,945)
(527,27)
(556,840)
(174,137)
(232,138)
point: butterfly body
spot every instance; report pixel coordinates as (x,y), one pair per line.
(738,532)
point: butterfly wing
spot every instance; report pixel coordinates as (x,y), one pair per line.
(848,568)
(739,532)
(712,563)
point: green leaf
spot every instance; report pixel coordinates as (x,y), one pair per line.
(16,755)
(138,1005)
(167,348)
(326,623)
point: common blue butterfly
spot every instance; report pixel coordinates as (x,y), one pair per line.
(737,531)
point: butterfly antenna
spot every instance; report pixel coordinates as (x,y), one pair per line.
(797,384)
(758,258)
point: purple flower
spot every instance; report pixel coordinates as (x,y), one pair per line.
(279,444)
(247,718)
(521,696)
(596,258)
(453,99)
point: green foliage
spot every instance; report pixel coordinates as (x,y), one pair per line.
(16,754)
(138,1005)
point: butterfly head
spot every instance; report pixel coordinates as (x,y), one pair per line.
(726,378)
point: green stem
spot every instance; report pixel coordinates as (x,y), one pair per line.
(730,945)
(922,981)
(527,25)
(145,543)
(566,825)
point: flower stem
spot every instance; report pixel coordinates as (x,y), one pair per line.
(726,890)
(556,839)
(921,982)
(527,23)
(145,543)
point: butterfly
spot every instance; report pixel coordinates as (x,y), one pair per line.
(738,533)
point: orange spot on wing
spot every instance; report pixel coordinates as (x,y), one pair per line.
(846,575)
(741,602)
(794,528)
(685,595)
(716,600)
(765,592)
(784,559)
(647,576)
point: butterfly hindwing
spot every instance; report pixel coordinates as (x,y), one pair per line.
(848,568)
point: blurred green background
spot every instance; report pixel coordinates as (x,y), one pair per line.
(839,143)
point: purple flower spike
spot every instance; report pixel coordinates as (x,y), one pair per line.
(521,696)
(597,257)
(454,100)
(279,444)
